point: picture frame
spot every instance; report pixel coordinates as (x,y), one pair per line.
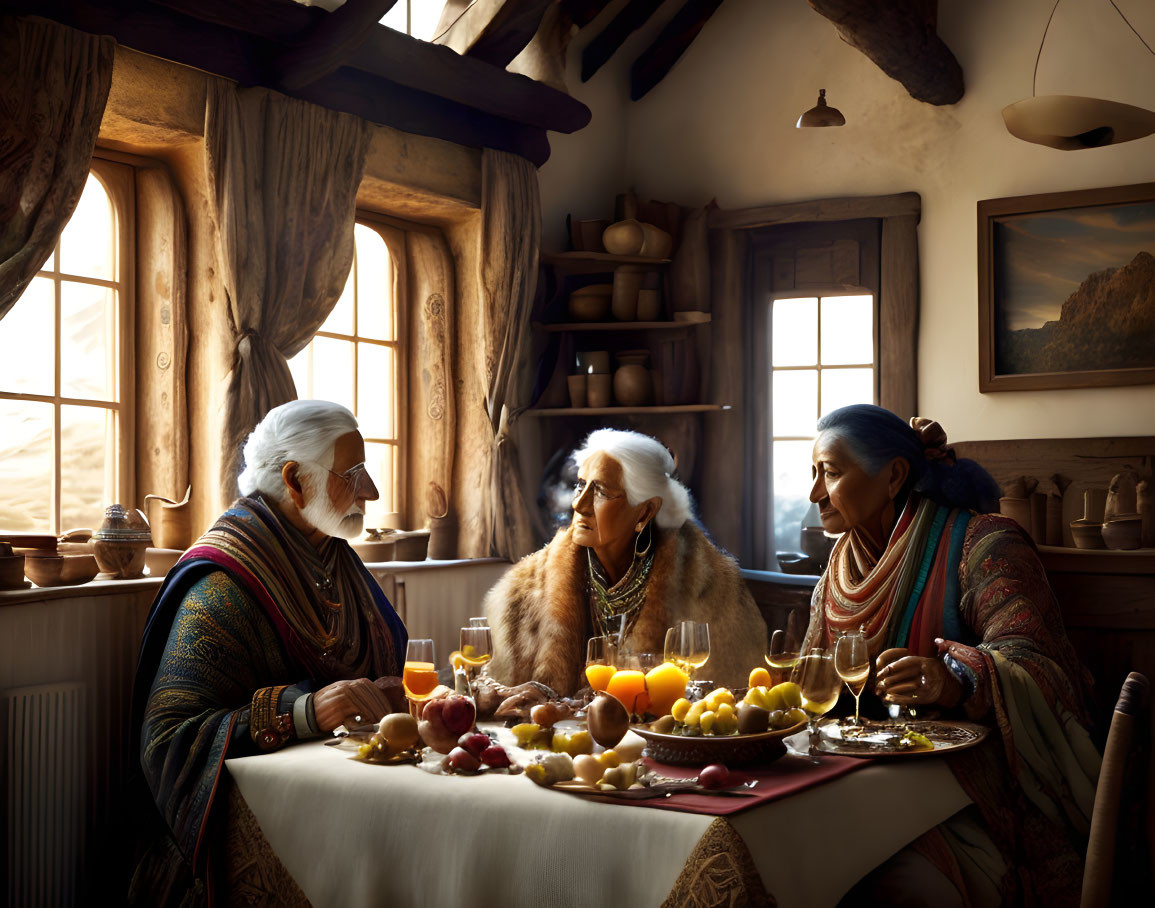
(1067,289)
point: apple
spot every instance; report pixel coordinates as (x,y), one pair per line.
(475,742)
(458,714)
(714,776)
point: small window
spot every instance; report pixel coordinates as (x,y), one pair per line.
(822,358)
(64,406)
(418,18)
(354,360)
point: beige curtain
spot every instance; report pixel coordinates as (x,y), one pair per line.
(53,87)
(283,177)
(510,246)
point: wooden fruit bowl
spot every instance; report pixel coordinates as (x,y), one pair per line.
(733,750)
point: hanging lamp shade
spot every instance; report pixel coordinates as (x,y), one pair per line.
(1069,122)
(821,114)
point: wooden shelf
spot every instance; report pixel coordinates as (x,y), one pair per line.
(1097,561)
(597,261)
(617,411)
(664,325)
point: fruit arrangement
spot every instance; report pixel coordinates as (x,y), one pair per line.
(474,750)
(445,720)
(718,713)
(396,733)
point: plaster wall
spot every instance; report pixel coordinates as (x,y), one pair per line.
(721,125)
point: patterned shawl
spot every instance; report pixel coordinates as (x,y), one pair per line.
(906,596)
(264,614)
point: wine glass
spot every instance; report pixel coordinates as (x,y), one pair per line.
(419,676)
(852,662)
(476,650)
(480,621)
(688,645)
(601,661)
(785,641)
(819,682)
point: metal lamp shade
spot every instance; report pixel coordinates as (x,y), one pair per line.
(821,114)
(1070,122)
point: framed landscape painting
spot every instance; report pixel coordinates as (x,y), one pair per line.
(1067,289)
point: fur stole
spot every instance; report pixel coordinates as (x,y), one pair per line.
(539,611)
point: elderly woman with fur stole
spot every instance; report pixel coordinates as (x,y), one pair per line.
(633,560)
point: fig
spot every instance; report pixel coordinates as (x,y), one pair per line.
(752,720)
(495,756)
(714,776)
(461,760)
(607,719)
(475,742)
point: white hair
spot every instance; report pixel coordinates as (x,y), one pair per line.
(646,469)
(301,430)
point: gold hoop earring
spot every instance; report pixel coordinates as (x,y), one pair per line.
(647,529)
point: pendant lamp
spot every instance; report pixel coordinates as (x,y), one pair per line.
(820,114)
(1072,122)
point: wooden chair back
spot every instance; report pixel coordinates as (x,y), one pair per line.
(1129,716)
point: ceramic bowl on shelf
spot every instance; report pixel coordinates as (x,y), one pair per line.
(591,303)
(11,569)
(59,570)
(1122,533)
(1087,534)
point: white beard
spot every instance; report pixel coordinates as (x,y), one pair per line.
(319,511)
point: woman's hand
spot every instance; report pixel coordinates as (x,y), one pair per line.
(391,686)
(357,701)
(915,680)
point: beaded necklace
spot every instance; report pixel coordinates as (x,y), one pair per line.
(616,607)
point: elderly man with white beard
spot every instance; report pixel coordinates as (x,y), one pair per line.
(268,630)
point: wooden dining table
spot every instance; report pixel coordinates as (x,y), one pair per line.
(354,834)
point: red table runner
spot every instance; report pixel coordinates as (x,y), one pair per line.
(786,776)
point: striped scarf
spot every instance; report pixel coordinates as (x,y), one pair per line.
(322,601)
(908,595)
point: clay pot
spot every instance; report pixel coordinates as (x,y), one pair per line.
(121,542)
(11,569)
(624,238)
(60,570)
(171,521)
(627,283)
(1087,535)
(590,304)
(649,305)
(442,538)
(1018,509)
(577,390)
(633,386)
(598,389)
(1122,533)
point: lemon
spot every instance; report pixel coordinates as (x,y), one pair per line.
(679,709)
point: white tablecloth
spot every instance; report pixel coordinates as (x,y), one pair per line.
(353,834)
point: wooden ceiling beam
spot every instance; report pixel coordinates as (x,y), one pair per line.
(632,17)
(679,33)
(494,31)
(330,43)
(899,37)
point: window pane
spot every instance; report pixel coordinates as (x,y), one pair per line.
(27,348)
(795,402)
(791,492)
(847,330)
(380,460)
(88,243)
(87,341)
(397,18)
(375,375)
(87,465)
(333,371)
(846,386)
(795,332)
(426,14)
(301,368)
(374,286)
(25,466)
(340,320)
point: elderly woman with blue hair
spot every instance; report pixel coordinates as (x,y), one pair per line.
(632,563)
(959,619)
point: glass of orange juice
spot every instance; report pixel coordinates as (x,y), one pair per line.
(419,677)
(601,661)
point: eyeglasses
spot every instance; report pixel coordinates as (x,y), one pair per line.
(357,478)
(600,493)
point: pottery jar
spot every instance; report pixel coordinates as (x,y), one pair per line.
(121,542)
(633,386)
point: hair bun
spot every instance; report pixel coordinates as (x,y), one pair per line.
(933,438)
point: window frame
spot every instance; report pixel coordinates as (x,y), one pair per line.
(395,241)
(118,179)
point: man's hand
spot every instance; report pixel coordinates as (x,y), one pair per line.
(357,701)
(915,680)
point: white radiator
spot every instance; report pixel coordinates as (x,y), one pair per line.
(45,761)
